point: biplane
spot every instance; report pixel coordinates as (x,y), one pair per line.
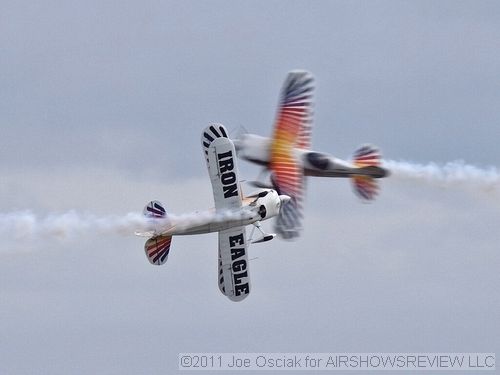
(233,212)
(287,158)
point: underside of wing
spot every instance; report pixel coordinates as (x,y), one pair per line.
(292,130)
(234,279)
(293,124)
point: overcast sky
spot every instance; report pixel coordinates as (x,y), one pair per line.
(101,109)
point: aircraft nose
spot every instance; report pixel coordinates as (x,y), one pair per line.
(284,199)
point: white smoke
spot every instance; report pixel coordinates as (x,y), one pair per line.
(25,225)
(456,173)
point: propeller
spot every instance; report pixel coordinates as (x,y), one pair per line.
(284,199)
(260,184)
(237,132)
(260,194)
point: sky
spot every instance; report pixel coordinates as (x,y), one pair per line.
(101,109)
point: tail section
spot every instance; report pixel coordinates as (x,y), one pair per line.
(155,210)
(157,249)
(367,160)
(158,246)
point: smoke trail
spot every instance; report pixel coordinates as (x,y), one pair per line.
(455,173)
(25,225)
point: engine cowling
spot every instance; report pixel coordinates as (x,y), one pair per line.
(270,203)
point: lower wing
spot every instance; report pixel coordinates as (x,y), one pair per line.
(234,279)
(288,178)
(289,222)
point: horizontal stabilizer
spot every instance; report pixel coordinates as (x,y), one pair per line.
(154,209)
(157,249)
(367,160)
(365,187)
(366,155)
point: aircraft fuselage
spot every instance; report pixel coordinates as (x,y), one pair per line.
(257,150)
(254,209)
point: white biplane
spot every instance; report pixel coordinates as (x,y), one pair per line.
(231,215)
(288,159)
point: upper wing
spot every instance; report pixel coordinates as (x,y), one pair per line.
(293,123)
(209,134)
(223,171)
(292,130)
(234,280)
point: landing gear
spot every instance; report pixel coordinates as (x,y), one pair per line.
(265,236)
